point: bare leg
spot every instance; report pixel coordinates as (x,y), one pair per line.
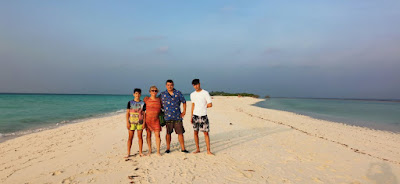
(140,137)
(196,140)
(148,139)
(207,138)
(158,142)
(181,141)
(168,140)
(130,138)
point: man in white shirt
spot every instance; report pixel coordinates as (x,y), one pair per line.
(201,100)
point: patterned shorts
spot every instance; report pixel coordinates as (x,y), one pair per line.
(200,123)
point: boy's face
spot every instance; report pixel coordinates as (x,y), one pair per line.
(169,86)
(136,95)
(196,86)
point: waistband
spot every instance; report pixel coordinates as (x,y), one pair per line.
(199,116)
(173,121)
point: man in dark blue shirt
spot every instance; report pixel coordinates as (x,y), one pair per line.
(171,100)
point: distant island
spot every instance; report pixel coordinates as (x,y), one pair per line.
(221,93)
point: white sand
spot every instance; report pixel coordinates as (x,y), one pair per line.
(251,145)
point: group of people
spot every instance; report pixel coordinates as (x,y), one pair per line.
(146,114)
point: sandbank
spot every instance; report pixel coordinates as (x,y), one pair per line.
(251,145)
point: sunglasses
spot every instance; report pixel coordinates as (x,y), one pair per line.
(154,90)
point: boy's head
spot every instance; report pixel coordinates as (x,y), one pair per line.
(196,84)
(137,92)
(169,85)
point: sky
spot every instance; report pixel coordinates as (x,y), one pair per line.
(306,48)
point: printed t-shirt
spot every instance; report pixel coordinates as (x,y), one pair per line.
(136,110)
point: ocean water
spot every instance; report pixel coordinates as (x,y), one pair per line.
(26,113)
(380,115)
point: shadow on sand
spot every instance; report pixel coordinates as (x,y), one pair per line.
(381,173)
(230,139)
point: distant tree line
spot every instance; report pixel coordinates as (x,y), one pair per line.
(221,93)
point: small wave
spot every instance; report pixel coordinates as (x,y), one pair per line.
(119,111)
(63,122)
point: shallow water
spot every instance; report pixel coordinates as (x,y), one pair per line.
(381,115)
(26,113)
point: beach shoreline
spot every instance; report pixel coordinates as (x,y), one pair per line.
(251,144)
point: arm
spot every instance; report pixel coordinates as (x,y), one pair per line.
(208,99)
(144,115)
(162,107)
(184,110)
(191,117)
(182,98)
(128,125)
(162,103)
(144,119)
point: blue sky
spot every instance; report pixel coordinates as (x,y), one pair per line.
(311,48)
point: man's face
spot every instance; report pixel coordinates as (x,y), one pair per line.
(196,86)
(169,86)
(136,95)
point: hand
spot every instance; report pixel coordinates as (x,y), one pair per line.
(128,126)
(183,114)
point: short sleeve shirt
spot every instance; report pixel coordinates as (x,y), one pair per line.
(200,100)
(172,104)
(136,110)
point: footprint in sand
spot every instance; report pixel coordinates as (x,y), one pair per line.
(92,180)
(55,173)
(317,180)
(68,180)
(241,174)
(92,171)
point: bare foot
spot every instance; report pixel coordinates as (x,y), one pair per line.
(159,154)
(127,156)
(197,151)
(141,154)
(209,153)
(148,154)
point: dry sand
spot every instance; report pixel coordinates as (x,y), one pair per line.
(251,145)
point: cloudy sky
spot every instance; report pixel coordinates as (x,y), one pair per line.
(306,48)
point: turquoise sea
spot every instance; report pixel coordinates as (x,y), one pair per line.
(26,113)
(375,114)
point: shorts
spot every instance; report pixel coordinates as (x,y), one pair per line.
(137,126)
(200,123)
(175,124)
